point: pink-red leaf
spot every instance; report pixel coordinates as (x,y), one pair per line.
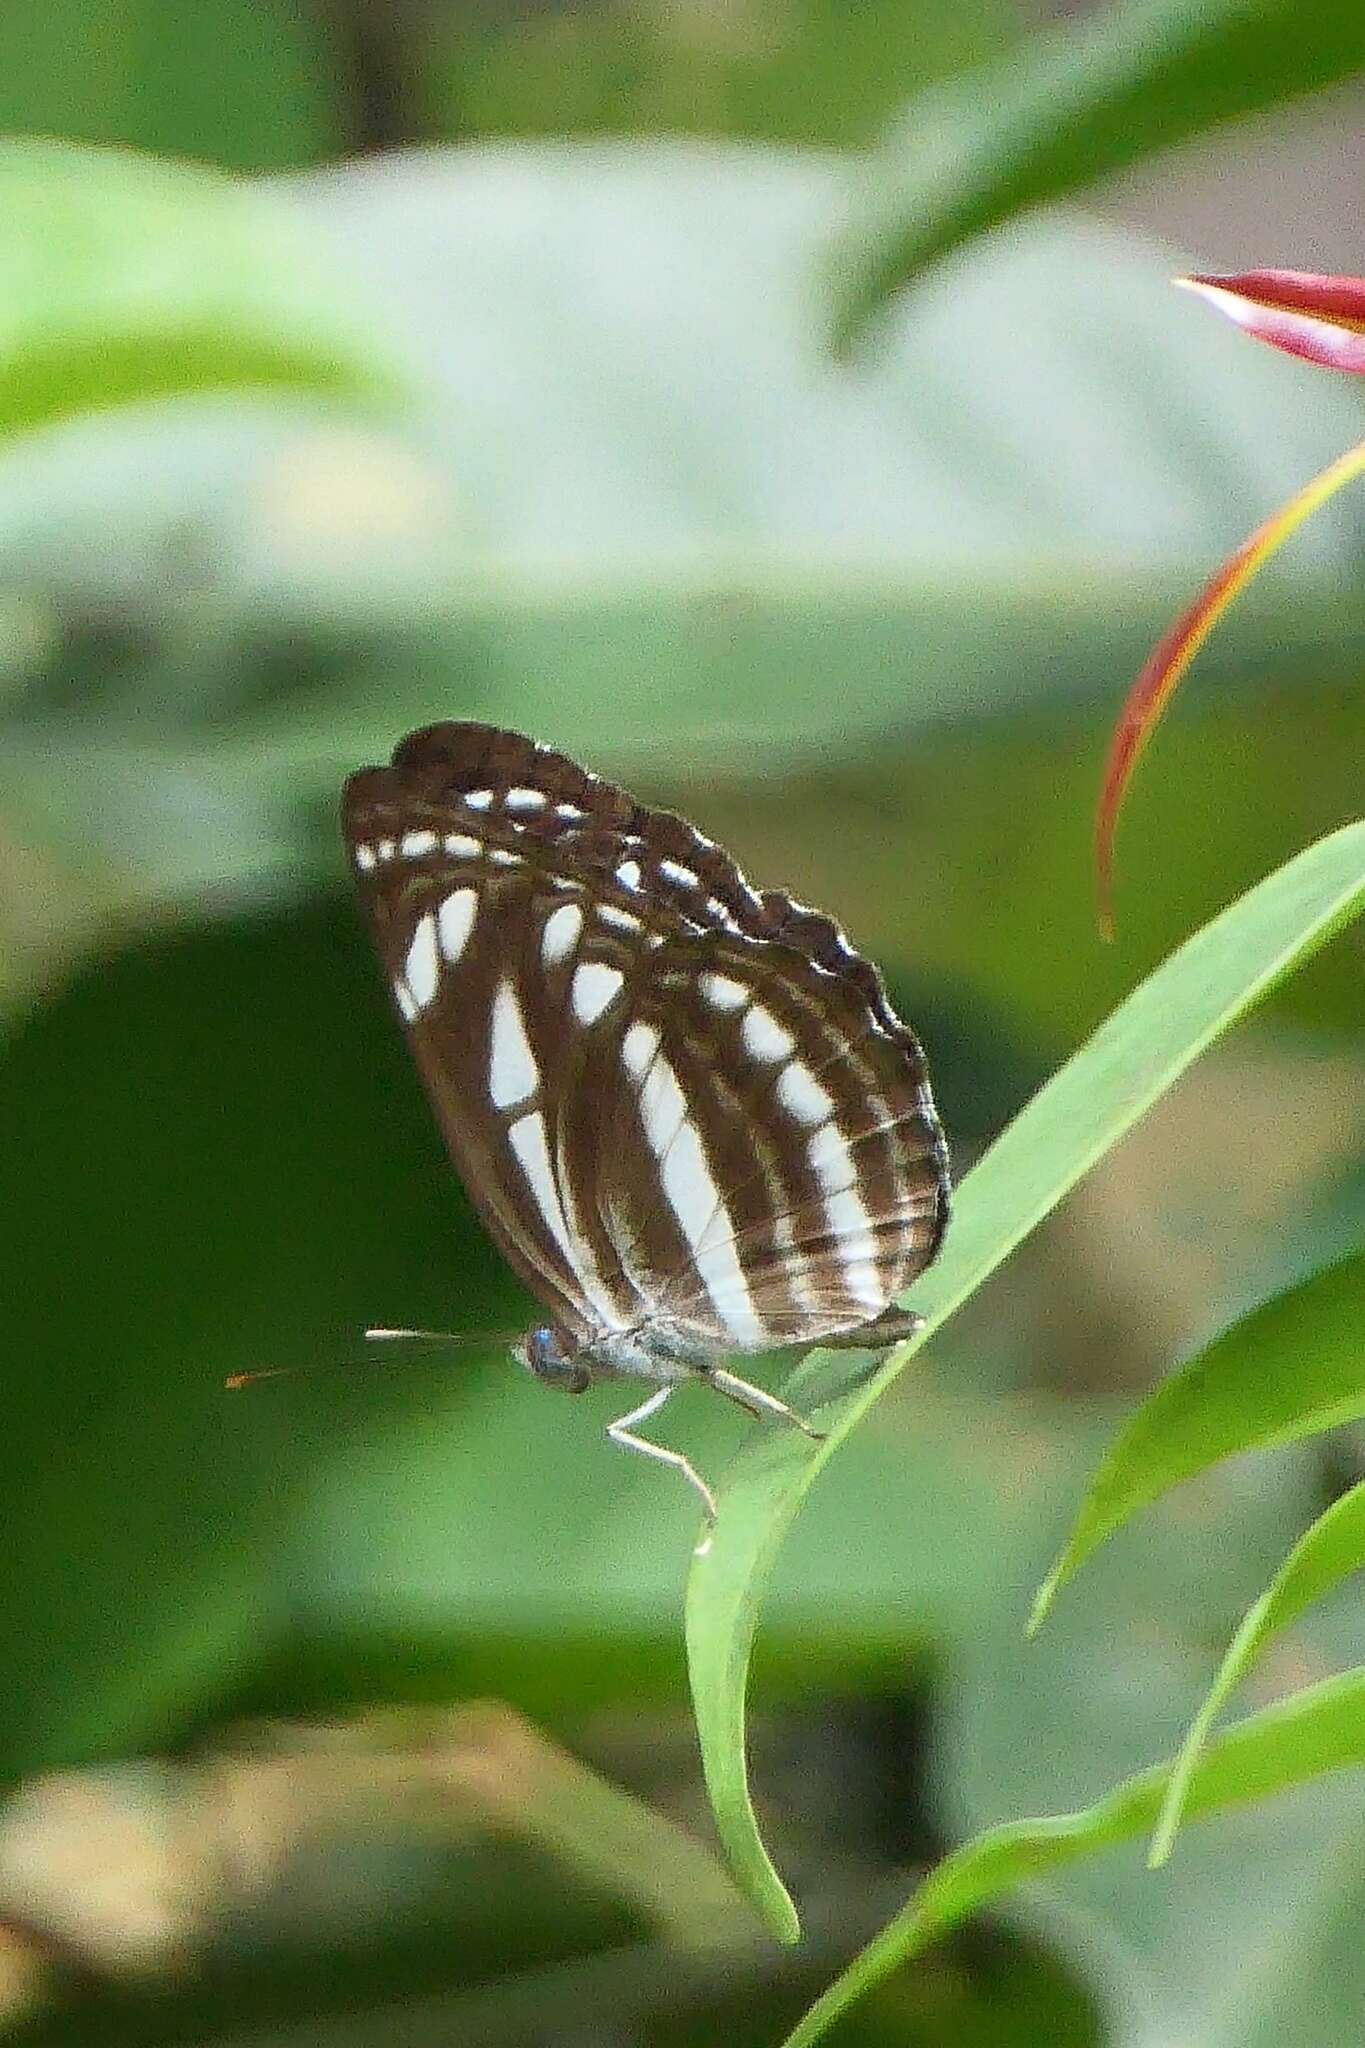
(1299,311)
(1306,314)
(1172,655)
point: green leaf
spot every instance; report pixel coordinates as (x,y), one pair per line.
(1327,1553)
(1027,1727)
(127,278)
(225,1226)
(660,529)
(1292,1367)
(250,84)
(1076,103)
(1100,1093)
(1319,1729)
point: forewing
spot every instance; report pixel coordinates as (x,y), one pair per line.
(459,914)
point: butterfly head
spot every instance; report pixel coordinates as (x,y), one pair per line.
(543,1352)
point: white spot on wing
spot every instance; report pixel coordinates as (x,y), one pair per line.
(364,857)
(527,1138)
(830,1158)
(624,920)
(529,1147)
(795,1272)
(629,874)
(503,857)
(674,871)
(851,1225)
(723,993)
(662,1108)
(525,799)
(455,921)
(405,1002)
(764,1037)
(512,1070)
(422,969)
(478,799)
(802,1096)
(572,812)
(695,1199)
(638,1048)
(413,845)
(595,985)
(385,849)
(560,936)
(460,846)
(848,1220)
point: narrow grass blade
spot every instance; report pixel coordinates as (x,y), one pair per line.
(1292,1367)
(1319,1729)
(1327,1553)
(1100,1093)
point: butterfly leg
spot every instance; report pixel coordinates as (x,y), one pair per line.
(758,1403)
(622,1432)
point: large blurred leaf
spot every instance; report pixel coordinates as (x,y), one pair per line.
(641,513)
(449,1548)
(1080,100)
(126,278)
(197,1178)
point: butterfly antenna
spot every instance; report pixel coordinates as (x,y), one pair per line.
(236,1380)
(456,1340)
(380,1333)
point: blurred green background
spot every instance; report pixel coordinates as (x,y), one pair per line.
(499,383)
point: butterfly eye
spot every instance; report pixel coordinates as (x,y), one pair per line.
(543,1354)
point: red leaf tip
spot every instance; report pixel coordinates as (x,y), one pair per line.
(1302,312)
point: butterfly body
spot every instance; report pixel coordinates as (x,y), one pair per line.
(684,1107)
(657,1350)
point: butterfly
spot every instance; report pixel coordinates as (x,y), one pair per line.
(683,1107)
